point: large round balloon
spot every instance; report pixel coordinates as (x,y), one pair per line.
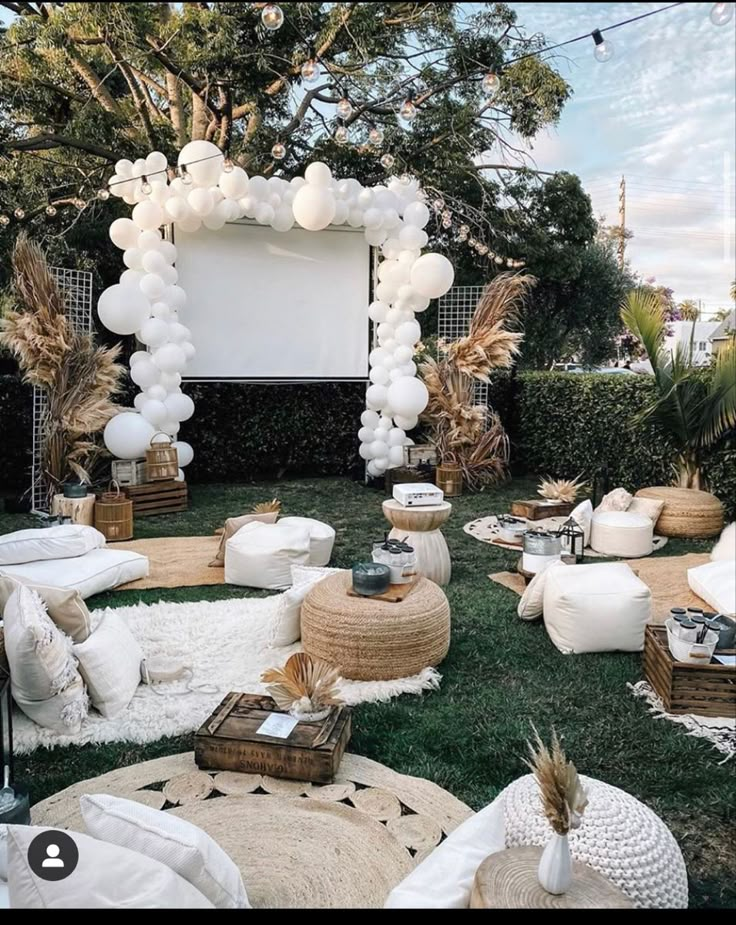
(128,435)
(123,309)
(180,407)
(432,275)
(234,184)
(203,162)
(408,396)
(314,207)
(184,452)
(124,233)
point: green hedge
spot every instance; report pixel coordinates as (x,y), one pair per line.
(571,423)
(16,417)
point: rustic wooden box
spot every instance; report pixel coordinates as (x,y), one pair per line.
(158,497)
(538,510)
(416,454)
(228,741)
(709,690)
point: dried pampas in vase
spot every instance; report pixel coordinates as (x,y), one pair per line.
(267,507)
(306,687)
(565,490)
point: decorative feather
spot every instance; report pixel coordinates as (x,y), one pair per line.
(561,489)
(304,682)
(267,507)
(563,796)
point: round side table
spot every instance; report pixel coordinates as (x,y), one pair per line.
(421,527)
(81,510)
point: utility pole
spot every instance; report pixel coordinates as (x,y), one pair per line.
(622,222)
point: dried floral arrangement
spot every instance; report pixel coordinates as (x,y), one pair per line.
(565,490)
(267,507)
(466,434)
(563,796)
(78,377)
(303,685)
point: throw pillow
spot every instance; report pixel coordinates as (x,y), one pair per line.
(287,626)
(110,662)
(178,844)
(583,517)
(617,500)
(530,606)
(63,542)
(649,507)
(725,548)
(105,877)
(715,582)
(232,525)
(63,713)
(66,607)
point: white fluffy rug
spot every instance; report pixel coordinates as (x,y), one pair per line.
(225,643)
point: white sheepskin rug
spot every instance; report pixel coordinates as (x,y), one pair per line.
(225,644)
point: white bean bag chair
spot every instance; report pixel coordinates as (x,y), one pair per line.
(715,582)
(261,555)
(621,534)
(321,538)
(596,608)
(95,571)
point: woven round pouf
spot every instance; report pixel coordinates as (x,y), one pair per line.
(687,512)
(619,837)
(371,640)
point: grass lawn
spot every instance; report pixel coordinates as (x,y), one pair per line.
(501,675)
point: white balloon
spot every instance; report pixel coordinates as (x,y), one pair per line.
(385,331)
(180,407)
(341,213)
(314,206)
(381,433)
(391,218)
(156,392)
(408,333)
(369,419)
(377,467)
(389,344)
(203,161)
(378,357)
(184,452)
(379,449)
(385,292)
(170,427)
(409,369)
(169,275)
(377,311)
(155,162)
(355,218)
(153,261)
(373,218)
(406,422)
(366,435)
(179,332)
(234,184)
(170,358)
(432,275)
(215,220)
(131,279)
(417,214)
(132,258)
(283,220)
(148,216)
(375,236)
(396,455)
(365,451)
(396,436)
(128,435)
(167,250)
(265,213)
(395,374)
(122,309)
(145,375)
(175,296)
(318,174)
(200,201)
(170,381)
(152,286)
(161,310)
(376,395)
(190,223)
(178,208)
(154,411)
(124,233)
(413,238)
(124,168)
(179,475)
(408,396)
(137,356)
(391,248)
(139,401)
(154,332)
(379,375)
(189,350)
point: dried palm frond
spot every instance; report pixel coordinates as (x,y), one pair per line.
(309,684)
(561,489)
(267,507)
(563,796)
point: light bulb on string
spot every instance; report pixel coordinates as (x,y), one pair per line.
(491,84)
(376,136)
(388,161)
(342,136)
(146,187)
(278,151)
(498,259)
(510,263)
(483,250)
(310,70)
(405,179)
(272,16)
(80,203)
(227,165)
(4,220)
(185,176)
(463,232)
(19,213)
(50,210)
(438,205)
(103,194)
(408,110)
(603,50)
(721,14)
(344,108)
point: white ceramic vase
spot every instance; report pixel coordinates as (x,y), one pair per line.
(555,865)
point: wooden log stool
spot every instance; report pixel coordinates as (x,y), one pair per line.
(81,510)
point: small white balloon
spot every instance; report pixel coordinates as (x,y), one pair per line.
(154,412)
(369,419)
(396,436)
(406,422)
(258,188)
(124,233)
(376,396)
(265,213)
(403,353)
(396,455)
(170,381)
(203,161)
(131,279)
(365,451)
(170,358)
(379,375)
(318,174)
(417,214)
(200,201)
(189,350)
(156,392)
(379,449)
(161,310)
(378,357)
(152,286)
(154,332)
(167,251)
(366,435)
(184,452)
(377,311)
(235,183)
(145,375)
(148,216)
(179,332)
(137,356)
(314,206)
(170,427)
(153,261)
(175,296)
(139,401)
(180,407)
(132,258)
(408,333)
(413,238)
(190,223)
(177,208)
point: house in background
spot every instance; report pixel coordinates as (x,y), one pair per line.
(725,332)
(701,332)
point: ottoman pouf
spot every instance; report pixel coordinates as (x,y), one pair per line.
(619,837)
(687,512)
(618,533)
(596,608)
(321,538)
(261,555)
(372,640)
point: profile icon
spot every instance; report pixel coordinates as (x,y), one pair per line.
(53,855)
(52,858)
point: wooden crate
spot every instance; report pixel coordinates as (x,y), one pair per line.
(416,454)
(228,741)
(407,474)
(129,471)
(158,498)
(709,690)
(538,510)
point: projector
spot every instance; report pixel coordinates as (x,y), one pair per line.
(417,494)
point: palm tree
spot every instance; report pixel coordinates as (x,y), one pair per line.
(689,310)
(694,409)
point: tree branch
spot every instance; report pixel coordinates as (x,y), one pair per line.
(48,140)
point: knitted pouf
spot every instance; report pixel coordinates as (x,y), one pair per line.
(619,837)
(687,512)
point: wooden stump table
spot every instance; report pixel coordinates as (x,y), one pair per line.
(508,880)
(81,510)
(421,527)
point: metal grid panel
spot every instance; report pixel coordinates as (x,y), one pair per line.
(453,320)
(76,287)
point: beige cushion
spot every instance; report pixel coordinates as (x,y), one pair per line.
(232,525)
(106,877)
(261,555)
(110,662)
(287,625)
(596,608)
(621,534)
(178,844)
(531,604)
(617,500)
(649,507)
(725,548)
(583,516)
(715,582)
(65,607)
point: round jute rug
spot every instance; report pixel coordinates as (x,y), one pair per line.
(339,845)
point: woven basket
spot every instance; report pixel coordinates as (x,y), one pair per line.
(370,640)
(162,460)
(687,512)
(450,480)
(114,515)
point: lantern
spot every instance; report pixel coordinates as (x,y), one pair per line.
(14,806)
(572,538)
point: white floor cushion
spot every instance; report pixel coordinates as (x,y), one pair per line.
(178,844)
(715,582)
(96,571)
(321,538)
(618,533)
(106,877)
(531,604)
(596,608)
(287,624)
(110,662)
(261,555)
(725,548)
(62,542)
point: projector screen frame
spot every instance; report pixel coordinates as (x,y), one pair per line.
(170,235)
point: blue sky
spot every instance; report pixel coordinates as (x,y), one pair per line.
(661,112)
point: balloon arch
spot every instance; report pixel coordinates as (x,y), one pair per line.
(210,191)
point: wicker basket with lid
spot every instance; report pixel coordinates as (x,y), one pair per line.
(162,459)
(114,514)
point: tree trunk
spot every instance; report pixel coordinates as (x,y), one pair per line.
(97,88)
(176,108)
(200,118)
(689,474)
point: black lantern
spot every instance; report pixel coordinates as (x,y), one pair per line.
(14,806)
(572,538)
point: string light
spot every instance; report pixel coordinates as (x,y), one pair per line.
(50,210)
(408,111)
(146,187)
(227,165)
(344,108)
(491,84)
(272,17)
(388,161)
(376,136)
(721,14)
(603,50)
(310,69)
(185,176)
(80,203)
(4,220)
(278,151)
(19,213)
(103,194)
(342,136)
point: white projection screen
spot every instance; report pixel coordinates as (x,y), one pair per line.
(263,304)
